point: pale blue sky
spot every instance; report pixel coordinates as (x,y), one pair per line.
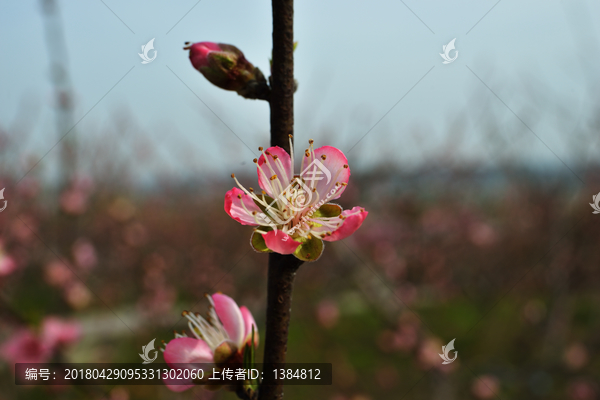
(355,60)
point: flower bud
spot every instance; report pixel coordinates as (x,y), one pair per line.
(225,66)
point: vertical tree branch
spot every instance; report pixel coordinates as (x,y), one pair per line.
(282,74)
(282,268)
(282,271)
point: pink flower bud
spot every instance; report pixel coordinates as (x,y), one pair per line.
(225,66)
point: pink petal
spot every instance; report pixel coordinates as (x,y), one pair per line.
(233,206)
(176,385)
(186,351)
(350,225)
(230,315)
(284,175)
(280,242)
(334,164)
(199,53)
(248,324)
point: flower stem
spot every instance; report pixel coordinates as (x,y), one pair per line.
(282,268)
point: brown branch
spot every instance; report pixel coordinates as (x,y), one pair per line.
(282,268)
(282,271)
(282,74)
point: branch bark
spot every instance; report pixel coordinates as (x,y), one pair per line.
(282,74)
(282,268)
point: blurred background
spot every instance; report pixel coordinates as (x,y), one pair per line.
(477,175)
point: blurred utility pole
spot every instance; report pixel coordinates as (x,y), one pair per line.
(63,94)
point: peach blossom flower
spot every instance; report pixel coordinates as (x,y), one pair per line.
(220,338)
(293,214)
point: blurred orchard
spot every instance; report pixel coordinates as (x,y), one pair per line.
(503,259)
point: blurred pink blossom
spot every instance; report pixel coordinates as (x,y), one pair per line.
(406,337)
(23,228)
(58,332)
(84,254)
(482,234)
(575,356)
(26,346)
(328,313)
(7,263)
(429,355)
(74,200)
(581,389)
(77,295)
(485,387)
(534,311)
(57,274)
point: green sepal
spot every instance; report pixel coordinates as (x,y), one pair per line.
(224,352)
(310,249)
(258,243)
(250,385)
(328,211)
